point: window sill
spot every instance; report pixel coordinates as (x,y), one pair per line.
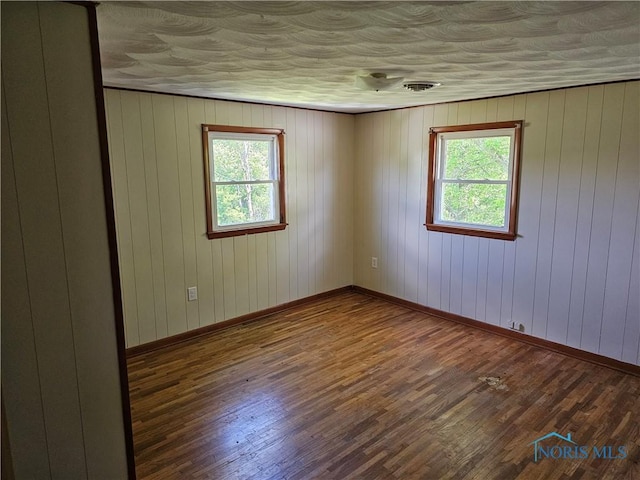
(473,232)
(246,231)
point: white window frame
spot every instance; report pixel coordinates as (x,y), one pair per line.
(439,137)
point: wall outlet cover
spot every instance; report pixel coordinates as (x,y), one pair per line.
(192,293)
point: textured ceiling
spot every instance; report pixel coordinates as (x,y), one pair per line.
(309,53)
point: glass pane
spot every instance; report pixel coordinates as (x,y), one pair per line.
(241,160)
(477,158)
(244,203)
(480,204)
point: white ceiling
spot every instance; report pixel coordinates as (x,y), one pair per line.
(309,53)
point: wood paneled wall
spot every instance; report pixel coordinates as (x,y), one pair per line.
(156,159)
(573,275)
(60,377)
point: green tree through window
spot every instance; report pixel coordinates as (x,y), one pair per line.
(476,159)
(245,185)
(243,161)
(473,179)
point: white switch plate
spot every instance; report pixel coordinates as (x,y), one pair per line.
(192,293)
(374,262)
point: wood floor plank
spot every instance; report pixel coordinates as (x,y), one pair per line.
(353,387)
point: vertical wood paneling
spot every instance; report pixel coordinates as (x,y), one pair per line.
(83,218)
(328,169)
(39,210)
(302,205)
(445,273)
(258,272)
(456,263)
(343,203)
(218,280)
(391,264)
(229,277)
(321,216)
(571,276)
(585,210)
(469,277)
(362,184)
(170,212)
(425,239)
(385,167)
(376,168)
(495,267)
(311,198)
(21,392)
(203,257)
(60,378)
(601,218)
(158,167)
(156,243)
(555,121)
(346,215)
(272,269)
(121,206)
(412,188)
(623,228)
(185,185)
(241,272)
(533,145)
(403,207)
(569,171)
(292,199)
(138,208)
(483,273)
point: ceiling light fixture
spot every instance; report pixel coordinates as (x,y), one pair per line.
(420,86)
(377,81)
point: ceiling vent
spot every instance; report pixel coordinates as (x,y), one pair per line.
(420,86)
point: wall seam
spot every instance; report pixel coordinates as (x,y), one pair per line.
(64,253)
(26,276)
(613,205)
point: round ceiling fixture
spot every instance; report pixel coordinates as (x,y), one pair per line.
(377,81)
(420,86)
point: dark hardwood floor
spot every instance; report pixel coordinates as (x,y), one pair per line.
(353,387)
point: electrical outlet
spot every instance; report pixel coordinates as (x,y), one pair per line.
(192,293)
(516,326)
(374,262)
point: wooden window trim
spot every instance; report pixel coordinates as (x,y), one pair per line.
(511,234)
(243,229)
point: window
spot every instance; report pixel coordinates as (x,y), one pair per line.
(473,179)
(244,180)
